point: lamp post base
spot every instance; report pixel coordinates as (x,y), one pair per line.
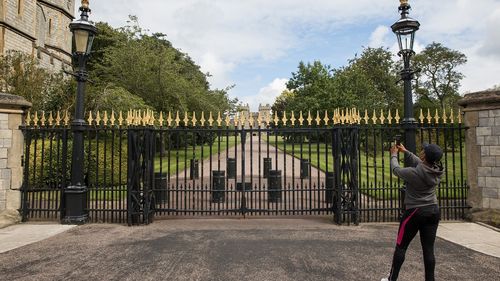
(75,211)
(78,220)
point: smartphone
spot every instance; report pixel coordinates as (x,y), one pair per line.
(397,139)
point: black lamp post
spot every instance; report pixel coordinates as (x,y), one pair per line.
(405,29)
(75,195)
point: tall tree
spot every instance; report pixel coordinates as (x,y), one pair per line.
(366,82)
(439,78)
(148,66)
(311,86)
(380,69)
(281,102)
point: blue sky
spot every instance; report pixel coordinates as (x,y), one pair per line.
(257,44)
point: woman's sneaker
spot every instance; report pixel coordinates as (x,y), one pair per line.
(384,279)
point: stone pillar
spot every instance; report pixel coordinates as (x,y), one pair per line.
(482,117)
(12,109)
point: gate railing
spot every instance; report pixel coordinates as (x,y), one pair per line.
(286,164)
(243,172)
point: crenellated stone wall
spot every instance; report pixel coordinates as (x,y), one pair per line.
(482,117)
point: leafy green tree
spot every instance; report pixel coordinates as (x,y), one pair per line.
(311,86)
(281,103)
(22,75)
(439,78)
(116,98)
(377,65)
(367,82)
(148,66)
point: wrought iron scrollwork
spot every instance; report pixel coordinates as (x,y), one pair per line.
(345,153)
(140,200)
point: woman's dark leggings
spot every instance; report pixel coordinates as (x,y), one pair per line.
(424,219)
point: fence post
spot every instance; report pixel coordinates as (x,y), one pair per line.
(482,145)
(12,109)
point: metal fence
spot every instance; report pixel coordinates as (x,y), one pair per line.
(146,166)
(381,191)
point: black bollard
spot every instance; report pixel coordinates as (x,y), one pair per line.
(194,169)
(330,183)
(218,186)
(161,187)
(274,186)
(267,166)
(304,168)
(231,168)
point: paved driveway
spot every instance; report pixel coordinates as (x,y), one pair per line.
(230,249)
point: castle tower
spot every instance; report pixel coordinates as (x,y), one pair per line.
(244,110)
(265,111)
(39,28)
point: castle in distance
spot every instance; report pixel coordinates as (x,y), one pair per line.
(264,110)
(39,28)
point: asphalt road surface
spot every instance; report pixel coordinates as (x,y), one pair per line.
(235,249)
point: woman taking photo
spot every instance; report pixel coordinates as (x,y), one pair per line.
(422,178)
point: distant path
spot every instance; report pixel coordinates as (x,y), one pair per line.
(254,167)
(305,196)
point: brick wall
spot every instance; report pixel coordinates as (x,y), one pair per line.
(482,117)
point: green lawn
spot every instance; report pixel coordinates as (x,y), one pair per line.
(180,158)
(375,177)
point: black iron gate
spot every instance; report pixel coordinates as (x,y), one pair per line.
(140,171)
(245,172)
(146,165)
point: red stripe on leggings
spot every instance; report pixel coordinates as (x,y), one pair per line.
(402,229)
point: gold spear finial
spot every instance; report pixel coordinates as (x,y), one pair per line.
(403,2)
(85,4)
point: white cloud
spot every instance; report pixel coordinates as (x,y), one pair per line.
(481,71)
(469,27)
(217,68)
(267,94)
(380,37)
(491,46)
(236,33)
(225,36)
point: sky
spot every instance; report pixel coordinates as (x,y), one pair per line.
(257,44)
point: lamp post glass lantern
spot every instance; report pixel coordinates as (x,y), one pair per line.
(405,29)
(75,195)
(84,33)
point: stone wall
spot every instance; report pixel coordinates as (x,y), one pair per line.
(12,109)
(482,117)
(39,28)
(23,21)
(14,41)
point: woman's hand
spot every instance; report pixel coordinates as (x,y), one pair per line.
(394,150)
(401,148)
